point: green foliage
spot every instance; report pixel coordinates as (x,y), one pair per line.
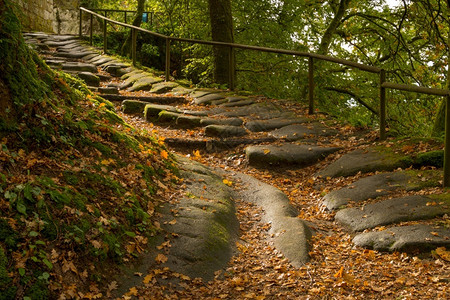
(7,291)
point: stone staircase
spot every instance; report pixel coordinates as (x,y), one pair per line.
(272,135)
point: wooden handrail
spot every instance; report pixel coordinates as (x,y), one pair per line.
(416,89)
(311,56)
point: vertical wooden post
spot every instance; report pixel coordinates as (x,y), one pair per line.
(125,17)
(151,19)
(91,30)
(311,85)
(105,37)
(167,59)
(447,143)
(382,105)
(80,32)
(231,69)
(133,45)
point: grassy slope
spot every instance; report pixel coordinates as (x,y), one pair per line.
(78,185)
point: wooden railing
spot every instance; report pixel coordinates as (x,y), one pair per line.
(383,84)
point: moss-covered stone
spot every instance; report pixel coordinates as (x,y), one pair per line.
(145,83)
(163,87)
(168,117)
(432,158)
(151,111)
(133,106)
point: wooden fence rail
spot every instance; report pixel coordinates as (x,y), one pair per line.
(383,85)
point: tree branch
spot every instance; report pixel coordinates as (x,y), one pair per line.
(357,98)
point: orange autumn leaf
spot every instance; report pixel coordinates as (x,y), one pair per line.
(164,154)
(340,273)
(161,258)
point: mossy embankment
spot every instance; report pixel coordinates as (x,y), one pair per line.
(78,186)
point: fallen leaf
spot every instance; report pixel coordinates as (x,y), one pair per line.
(147,278)
(164,154)
(340,273)
(161,258)
(443,253)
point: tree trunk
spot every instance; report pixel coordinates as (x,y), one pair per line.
(439,123)
(327,37)
(126,47)
(221,31)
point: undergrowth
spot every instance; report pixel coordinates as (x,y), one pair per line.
(79,186)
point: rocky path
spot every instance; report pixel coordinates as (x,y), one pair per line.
(297,202)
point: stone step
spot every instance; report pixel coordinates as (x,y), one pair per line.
(286,155)
(414,237)
(382,185)
(299,131)
(365,161)
(150,99)
(271,124)
(396,210)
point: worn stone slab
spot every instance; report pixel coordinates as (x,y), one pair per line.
(163,87)
(205,227)
(152,111)
(90,78)
(290,235)
(224,131)
(101,61)
(131,73)
(79,67)
(391,211)
(228,121)
(198,113)
(405,238)
(71,46)
(113,69)
(133,106)
(186,121)
(200,93)
(55,62)
(208,98)
(381,185)
(90,56)
(181,90)
(286,155)
(235,98)
(73,54)
(52,43)
(218,102)
(238,103)
(371,160)
(168,117)
(270,124)
(108,90)
(299,131)
(145,83)
(132,79)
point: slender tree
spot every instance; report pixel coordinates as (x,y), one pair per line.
(222,31)
(126,47)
